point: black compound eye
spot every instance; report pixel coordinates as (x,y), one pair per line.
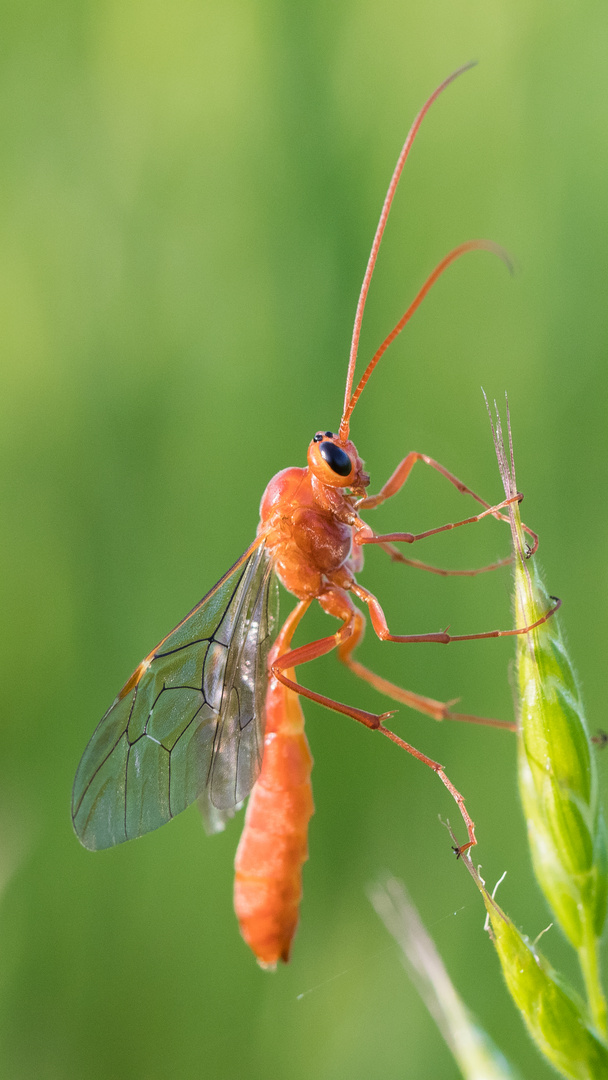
(330,435)
(337,458)
(318,436)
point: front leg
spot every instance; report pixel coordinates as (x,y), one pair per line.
(399,477)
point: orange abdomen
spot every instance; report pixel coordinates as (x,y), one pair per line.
(274,843)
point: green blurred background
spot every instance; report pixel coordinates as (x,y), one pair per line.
(189,193)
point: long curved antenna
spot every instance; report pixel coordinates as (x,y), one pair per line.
(378,237)
(462,249)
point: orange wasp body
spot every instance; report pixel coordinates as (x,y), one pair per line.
(274,843)
(214,708)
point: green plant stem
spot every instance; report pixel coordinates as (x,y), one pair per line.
(589,961)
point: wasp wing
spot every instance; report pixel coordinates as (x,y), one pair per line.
(189,724)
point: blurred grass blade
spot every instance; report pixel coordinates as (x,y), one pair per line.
(475,1053)
(557,774)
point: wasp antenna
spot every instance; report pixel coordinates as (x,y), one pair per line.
(462,249)
(343,435)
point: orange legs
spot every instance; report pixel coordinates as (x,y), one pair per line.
(345,639)
(400,475)
(365,537)
(398,479)
(396,556)
(312,651)
(445,780)
(442,638)
(337,602)
(438,710)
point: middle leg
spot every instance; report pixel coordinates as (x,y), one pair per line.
(395,555)
(380,624)
(365,535)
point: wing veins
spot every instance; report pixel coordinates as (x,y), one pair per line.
(225,577)
(126,788)
(108,755)
(118,802)
(263,586)
(180,648)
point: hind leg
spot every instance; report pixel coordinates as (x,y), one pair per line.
(438,710)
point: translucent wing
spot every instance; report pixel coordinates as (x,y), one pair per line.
(189,724)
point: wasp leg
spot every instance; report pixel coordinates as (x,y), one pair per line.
(367,537)
(396,556)
(403,470)
(438,710)
(380,625)
(337,602)
(312,651)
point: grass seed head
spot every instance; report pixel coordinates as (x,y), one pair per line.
(556,1019)
(557,775)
